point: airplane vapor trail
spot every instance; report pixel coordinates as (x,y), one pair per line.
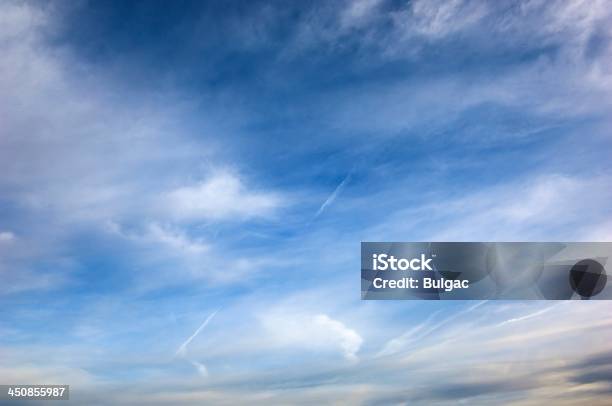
(183,347)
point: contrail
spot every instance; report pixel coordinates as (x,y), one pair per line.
(334,195)
(530,315)
(454,316)
(416,334)
(392,345)
(183,347)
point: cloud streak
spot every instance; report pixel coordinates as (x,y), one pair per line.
(333,196)
(182,349)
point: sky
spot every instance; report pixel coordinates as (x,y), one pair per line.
(184,188)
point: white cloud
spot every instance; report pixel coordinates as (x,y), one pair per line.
(314,332)
(347,339)
(222,196)
(6,236)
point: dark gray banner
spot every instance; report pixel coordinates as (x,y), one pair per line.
(485,270)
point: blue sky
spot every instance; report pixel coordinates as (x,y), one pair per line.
(183,190)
